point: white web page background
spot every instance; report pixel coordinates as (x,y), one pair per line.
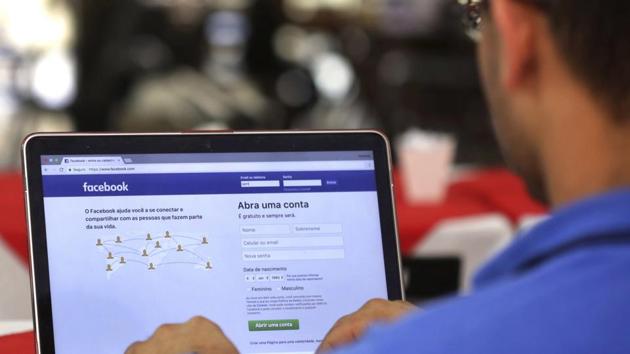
(99,312)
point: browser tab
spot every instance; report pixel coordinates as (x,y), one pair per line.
(92,160)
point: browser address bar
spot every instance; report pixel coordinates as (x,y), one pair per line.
(218,167)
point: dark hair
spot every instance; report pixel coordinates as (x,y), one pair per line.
(594,37)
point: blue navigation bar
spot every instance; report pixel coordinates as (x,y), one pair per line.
(208,183)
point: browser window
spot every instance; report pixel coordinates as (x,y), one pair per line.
(274,247)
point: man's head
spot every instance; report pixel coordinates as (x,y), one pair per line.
(538,58)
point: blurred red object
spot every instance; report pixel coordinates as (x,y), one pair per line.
(12,215)
(480,192)
(23,343)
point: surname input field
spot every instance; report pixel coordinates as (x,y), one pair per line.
(293,255)
(317,228)
(291,242)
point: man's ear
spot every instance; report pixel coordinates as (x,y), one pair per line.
(515,24)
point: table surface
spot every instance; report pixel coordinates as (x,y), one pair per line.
(482,192)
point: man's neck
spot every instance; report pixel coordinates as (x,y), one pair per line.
(585,151)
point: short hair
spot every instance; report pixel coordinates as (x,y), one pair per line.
(594,38)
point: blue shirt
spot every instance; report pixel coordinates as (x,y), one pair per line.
(564,287)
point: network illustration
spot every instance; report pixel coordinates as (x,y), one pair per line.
(154,251)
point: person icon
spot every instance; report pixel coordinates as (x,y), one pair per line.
(109,268)
(118,239)
(204,240)
(157,244)
(180,248)
(122,260)
(109,255)
(144,253)
(99,242)
(149,237)
(168,235)
(151,266)
(208,265)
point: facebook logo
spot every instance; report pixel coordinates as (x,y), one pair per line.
(104,187)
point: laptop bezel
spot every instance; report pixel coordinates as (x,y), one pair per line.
(38,145)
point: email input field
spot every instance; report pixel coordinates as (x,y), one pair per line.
(259,184)
(292,242)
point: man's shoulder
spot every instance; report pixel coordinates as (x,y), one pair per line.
(577,303)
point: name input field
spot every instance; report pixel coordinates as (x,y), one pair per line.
(302,183)
(293,255)
(265,230)
(260,184)
(292,242)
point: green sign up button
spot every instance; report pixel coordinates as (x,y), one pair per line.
(274,325)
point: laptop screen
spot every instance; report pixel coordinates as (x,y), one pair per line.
(274,247)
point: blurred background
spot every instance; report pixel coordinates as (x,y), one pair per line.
(164,65)
(402,66)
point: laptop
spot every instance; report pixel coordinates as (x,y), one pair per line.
(272,235)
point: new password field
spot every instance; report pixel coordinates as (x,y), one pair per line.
(291,242)
(293,255)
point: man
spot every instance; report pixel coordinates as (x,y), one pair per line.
(557,76)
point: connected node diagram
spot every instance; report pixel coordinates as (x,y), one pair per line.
(153,252)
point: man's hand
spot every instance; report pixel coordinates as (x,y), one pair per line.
(349,328)
(195,336)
